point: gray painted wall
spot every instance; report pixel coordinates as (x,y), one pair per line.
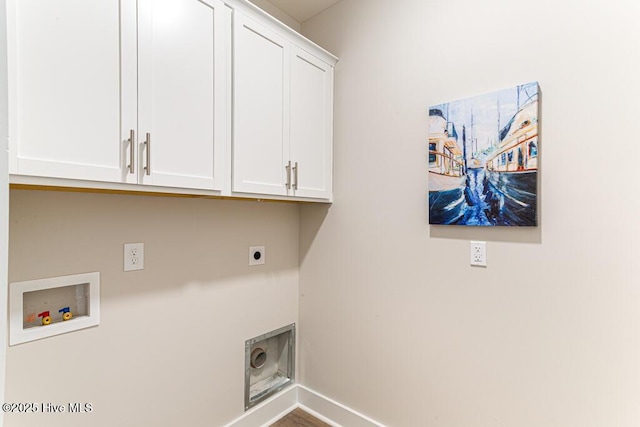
(393,321)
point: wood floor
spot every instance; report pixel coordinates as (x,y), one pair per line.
(299,418)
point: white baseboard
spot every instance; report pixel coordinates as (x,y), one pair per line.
(299,396)
(269,411)
(332,412)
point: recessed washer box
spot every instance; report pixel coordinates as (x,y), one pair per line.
(269,364)
(53,306)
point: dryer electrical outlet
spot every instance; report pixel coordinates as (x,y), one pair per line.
(257,255)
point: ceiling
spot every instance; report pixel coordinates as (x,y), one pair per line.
(301,10)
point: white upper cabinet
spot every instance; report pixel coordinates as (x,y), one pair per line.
(282,123)
(119,91)
(181,79)
(64,89)
(260,144)
(311,125)
(206,97)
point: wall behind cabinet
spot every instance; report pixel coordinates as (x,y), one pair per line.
(277,13)
(170,347)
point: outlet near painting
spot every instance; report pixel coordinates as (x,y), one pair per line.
(479,254)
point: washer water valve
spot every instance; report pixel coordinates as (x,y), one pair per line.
(66,313)
(46,318)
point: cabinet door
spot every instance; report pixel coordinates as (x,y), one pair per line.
(311,125)
(64,79)
(260,144)
(181,75)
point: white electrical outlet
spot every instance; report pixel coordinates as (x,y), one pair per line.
(479,254)
(257,255)
(133,256)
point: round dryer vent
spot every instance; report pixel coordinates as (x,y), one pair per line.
(258,358)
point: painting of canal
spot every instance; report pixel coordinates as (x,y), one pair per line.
(483,159)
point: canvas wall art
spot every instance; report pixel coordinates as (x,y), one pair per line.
(483,159)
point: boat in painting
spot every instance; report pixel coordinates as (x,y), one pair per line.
(447,178)
(512,168)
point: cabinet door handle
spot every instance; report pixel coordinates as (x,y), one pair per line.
(288,168)
(147,143)
(295,176)
(132,138)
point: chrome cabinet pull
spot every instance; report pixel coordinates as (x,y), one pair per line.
(288,168)
(295,176)
(132,137)
(147,143)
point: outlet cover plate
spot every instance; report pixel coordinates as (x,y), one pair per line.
(478,254)
(133,256)
(257,255)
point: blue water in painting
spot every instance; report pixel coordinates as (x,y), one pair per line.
(475,193)
(489,198)
(446,207)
